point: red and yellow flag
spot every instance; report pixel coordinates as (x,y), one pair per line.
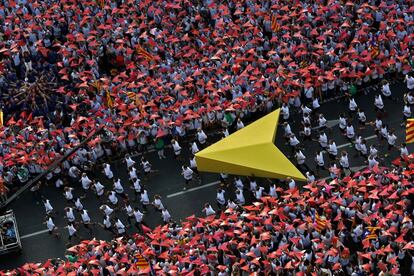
(145,54)
(275,25)
(409,131)
(375,51)
(109,102)
(141,262)
(1,118)
(320,222)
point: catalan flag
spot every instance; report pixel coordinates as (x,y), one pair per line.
(1,118)
(109,102)
(275,26)
(97,85)
(369,233)
(101,3)
(409,131)
(319,222)
(375,51)
(141,262)
(145,54)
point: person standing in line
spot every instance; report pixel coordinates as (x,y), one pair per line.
(48,207)
(372,162)
(386,91)
(409,79)
(342,122)
(136,186)
(320,162)
(107,171)
(86,182)
(72,232)
(68,193)
(193,167)
(86,220)
(344,162)
(208,210)
(332,150)
(221,201)
(99,189)
(129,211)
(139,217)
(194,148)
(379,104)
(403,151)
(69,215)
(157,203)
(146,166)
(120,227)
(406,113)
(166,217)
(176,148)
(391,140)
(301,161)
(294,143)
(352,106)
(129,162)
(107,224)
(362,118)
(323,140)
(145,201)
(187,174)
(350,132)
(78,205)
(201,137)
(53,230)
(240,197)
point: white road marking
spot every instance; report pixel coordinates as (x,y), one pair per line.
(348,144)
(34,234)
(193,189)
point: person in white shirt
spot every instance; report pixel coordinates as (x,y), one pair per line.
(383,132)
(285,111)
(352,106)
(239,124)
(258,194)
(86,182)
(86,220)
(409,79)
(372,162)
(176,149)
(72,231)
(221,201)
(231,205)
(112,198)
(129,211)
(406,113)
(53,230)
(70,216)
(107,224)
(378,124)
(108,171)
(273,190)
(146,166)
(307,132)
(350,131)
(193,167)
(68,193)
(157,203)
(208,210)
(344,161)
(315,104)
(120,227)
(129,162)
(99,189)
(291,183)
(48,207)
(194,148)
(320,162)
(238,183)
(363,148)
(323,140)
(391,139)
(240,197)
(362,118)
(332,150)
(403,150)
(373,151)
(201,137)
(106,209)
(252,185)
(78,205)
(136,186)
(301,161)
(322,122)
(132,173)
(342,122)
(145,201)
(287,130)
(310,177)
(187,174)
(166,217)
(138,216)
(225,132)
(58,183)
(294,143)
(386,91)
(378,103)
(74,172)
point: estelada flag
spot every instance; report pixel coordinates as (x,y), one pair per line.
(275,25)
(141,262)
(409,131)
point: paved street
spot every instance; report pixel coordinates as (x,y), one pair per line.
(38,245)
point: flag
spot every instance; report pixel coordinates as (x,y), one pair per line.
(101,3)
(131,95)
(109,102)
(275,25)
(375,51)
(1,118)
(369,233)
(409,131)
(141,262)
(318,221)
(145,54)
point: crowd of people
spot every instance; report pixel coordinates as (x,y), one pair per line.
(146,69)
(355,225)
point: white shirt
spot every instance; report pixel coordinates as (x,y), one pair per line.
(137,185)
(407,111)
(112,198)
(372,163)
(176,148)
(187,173)
(240,197)
(391,139)
(403,151)
(107,222)
(48,206)
(120,227)
(99,188)
(138,216)
(410,82)
(194,148)
(288,130)
(166,215)
(323,140)
(86,182)
(378,102)
(373,151)
(108,172)
(220,197)
(386,91)
(315,103)
(158,204)
(352,105)
(68,194)
(350,132)
(133,173)
(71,230)
(293,141)
(202,137)
(50,224)
(342,122)
(209,210)
(332,149)
(144,197)
(344,161)
(300,157)
(292,184)
(239,124)
(361,116)
(322,121)
(118,187)
(78,204)
(193,163)
(307,131)
(69,215)
(108,210)
(85,217)
(319,159)
(129,162)
(285,112)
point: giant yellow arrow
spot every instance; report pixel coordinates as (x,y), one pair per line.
(249,151)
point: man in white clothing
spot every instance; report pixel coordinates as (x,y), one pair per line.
(187,174)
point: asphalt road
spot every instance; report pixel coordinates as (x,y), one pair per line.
(38,245)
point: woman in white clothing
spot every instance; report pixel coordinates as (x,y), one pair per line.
(208,210)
